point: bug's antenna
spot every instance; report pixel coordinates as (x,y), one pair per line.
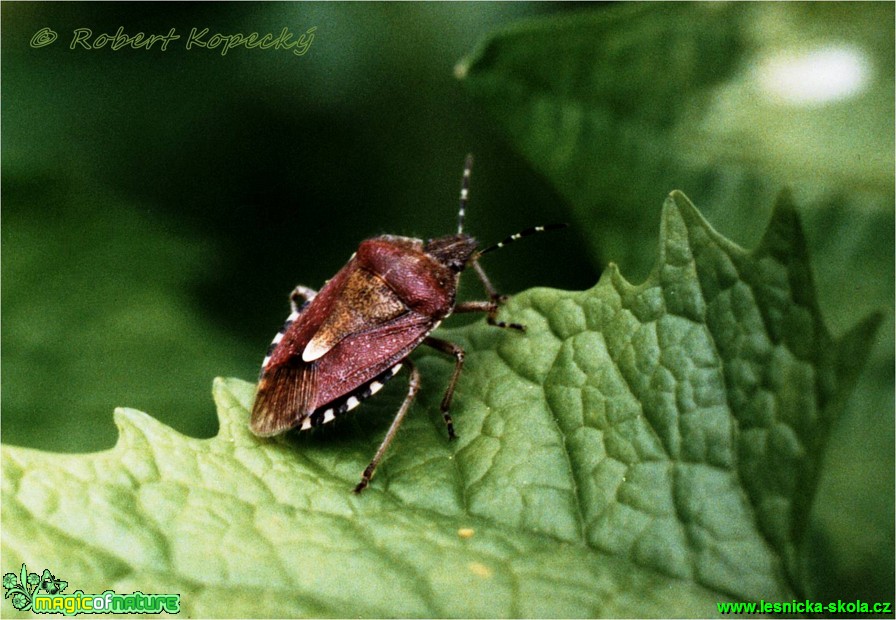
(520,235)
(464,192)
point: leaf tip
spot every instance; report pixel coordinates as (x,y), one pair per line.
(678,201)
(132,423)
(233,398)
(854,346)
(784,236)
(678,197)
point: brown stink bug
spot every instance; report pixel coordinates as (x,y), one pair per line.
(345,341)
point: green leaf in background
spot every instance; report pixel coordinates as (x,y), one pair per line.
(729,103)
(641,451)
(616,106)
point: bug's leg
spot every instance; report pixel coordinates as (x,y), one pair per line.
(302,293)
(451,349)
(487,284)
(491,310)
(299,293)
(490,307)
(413,386)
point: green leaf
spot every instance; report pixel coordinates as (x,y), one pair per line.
(615,105)
(640,451)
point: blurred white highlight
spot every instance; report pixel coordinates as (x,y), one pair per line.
(813,77)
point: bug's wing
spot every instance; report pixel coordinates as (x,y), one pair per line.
(352,331)
(365,302)
(361,357)
(288,384)
(291,390)
(284,395)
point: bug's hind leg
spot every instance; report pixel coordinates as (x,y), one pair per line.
(299,293)
(303,294)
(413,386)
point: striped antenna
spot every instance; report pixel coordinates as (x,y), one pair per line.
(521,234)
(464,193)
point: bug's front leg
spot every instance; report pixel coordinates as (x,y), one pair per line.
(491,310)
(489,307)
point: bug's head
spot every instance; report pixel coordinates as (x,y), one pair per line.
(457,251)
(453,251)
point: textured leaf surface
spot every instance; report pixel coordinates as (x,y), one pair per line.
(641,451)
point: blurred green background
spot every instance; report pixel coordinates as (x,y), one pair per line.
(159,206)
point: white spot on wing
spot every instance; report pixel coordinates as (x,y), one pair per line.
(314,351)
(352,402)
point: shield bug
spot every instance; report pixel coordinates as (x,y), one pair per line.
(342,343)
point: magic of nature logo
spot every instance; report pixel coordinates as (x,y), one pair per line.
(45,594)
